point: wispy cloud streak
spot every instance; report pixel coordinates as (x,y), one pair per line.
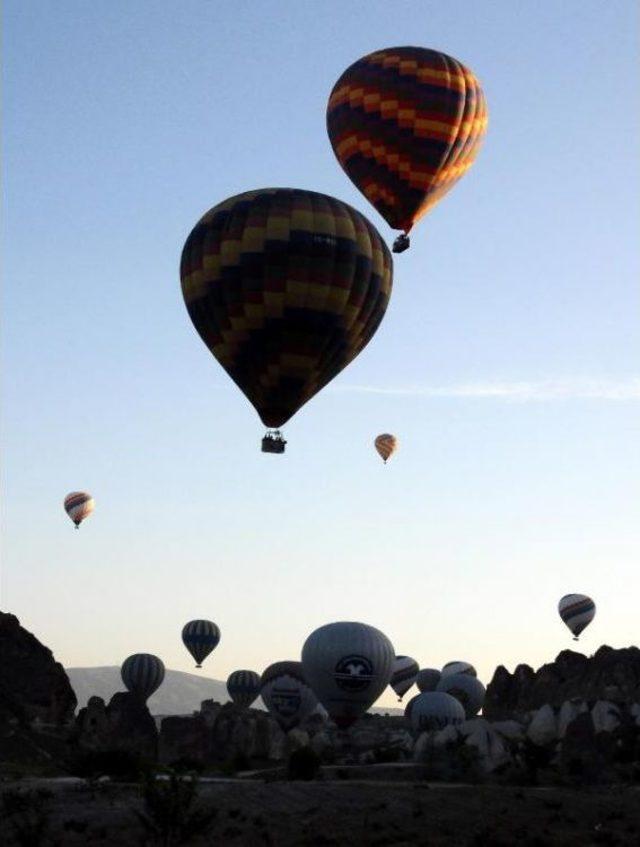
(519,392)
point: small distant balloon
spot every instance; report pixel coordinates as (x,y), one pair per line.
(142,674)
(405,670)
(428,679)
(386,445)
(467,690)
(79,505)
(200,637)
(577,611)
(243,687)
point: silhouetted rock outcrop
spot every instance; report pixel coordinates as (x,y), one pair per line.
(124,724)
(33,686)
(610,675)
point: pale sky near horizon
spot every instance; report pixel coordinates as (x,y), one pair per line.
(507,363)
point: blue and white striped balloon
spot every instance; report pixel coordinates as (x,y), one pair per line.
(142,674)
(405,671)
(243,687)
(200,637)
(577,611)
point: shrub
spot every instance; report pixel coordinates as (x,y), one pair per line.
(120,765)
(27,814)
(171,814)
(303,764)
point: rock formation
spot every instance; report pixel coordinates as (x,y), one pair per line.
(125,724)
(33,686)
(610,675)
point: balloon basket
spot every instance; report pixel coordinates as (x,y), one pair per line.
(273,442)
(401,243)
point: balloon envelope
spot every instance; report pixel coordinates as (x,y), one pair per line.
(286,694)
(142,674)
(285,287)
(386,445)
(348,665)
(200,637)
(458,667)
(403,675)
(428,679)
(79,505)
(405,124)
(435,710)
(467,690)
(243,687)
(577,611)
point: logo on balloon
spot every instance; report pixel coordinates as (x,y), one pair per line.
(353,673)
(286,702)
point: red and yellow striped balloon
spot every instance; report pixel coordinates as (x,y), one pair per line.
(405,124)
(386,445)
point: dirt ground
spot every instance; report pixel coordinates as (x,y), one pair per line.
(349,812)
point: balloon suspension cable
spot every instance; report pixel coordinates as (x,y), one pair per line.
(401,243)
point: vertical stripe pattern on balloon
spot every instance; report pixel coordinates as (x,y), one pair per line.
(142,674)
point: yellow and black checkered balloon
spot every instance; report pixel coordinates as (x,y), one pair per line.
(285,287)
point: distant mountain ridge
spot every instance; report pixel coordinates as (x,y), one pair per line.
(180,694)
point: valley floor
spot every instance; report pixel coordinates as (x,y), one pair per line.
(348,812)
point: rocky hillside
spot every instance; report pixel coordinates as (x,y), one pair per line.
(33,686)
(609,675)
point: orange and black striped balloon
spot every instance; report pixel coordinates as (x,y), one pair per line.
(405,124)
(386,445)
(285,287)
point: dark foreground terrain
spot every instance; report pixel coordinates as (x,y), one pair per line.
(336,812)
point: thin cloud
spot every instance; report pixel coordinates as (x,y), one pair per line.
(523,392)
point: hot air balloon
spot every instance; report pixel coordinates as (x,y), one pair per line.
(286,693)
(459,667)
(243,687)
(577,611)
(405,124)
(386,445)
(285,287)
(348,665)
(434,710)
(467,690)
(200,638)
(403,675)
(142,674)
(409,707)
(428,679)
(79,505)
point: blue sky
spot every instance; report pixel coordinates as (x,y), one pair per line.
(507,363)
